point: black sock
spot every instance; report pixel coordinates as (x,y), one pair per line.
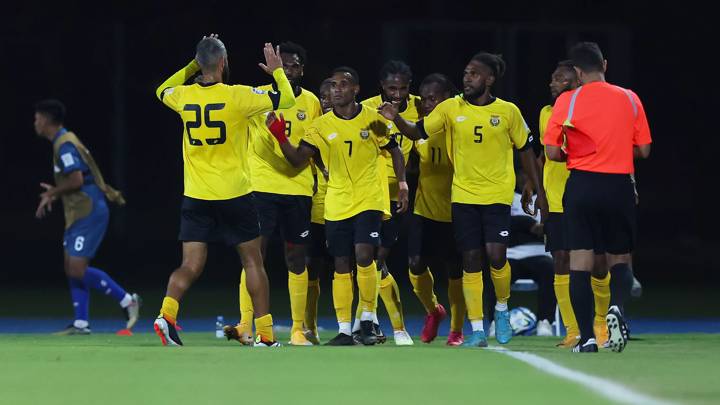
(621,282)
(581,297)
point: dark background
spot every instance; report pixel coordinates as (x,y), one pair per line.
(105,64)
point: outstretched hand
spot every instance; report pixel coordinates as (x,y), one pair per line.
(388,110)
(272,59)
(46,200)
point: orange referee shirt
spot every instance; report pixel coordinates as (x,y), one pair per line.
(600,123)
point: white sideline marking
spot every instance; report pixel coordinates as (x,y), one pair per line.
(606,388)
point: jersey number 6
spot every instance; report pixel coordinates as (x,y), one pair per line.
(197,123)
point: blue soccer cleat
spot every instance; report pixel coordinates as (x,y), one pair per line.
(503,330)
(477,339)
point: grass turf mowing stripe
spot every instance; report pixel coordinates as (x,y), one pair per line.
(606,388)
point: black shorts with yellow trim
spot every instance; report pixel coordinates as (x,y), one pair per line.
(475,225)
(600,212)
(343,235)
(289,213)
(390,228)
(429,238)
(232,221)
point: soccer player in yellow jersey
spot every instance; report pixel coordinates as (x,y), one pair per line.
(481,131)
(283,194)
(555,176)
(430,240)
(350,140)
(317,253)
(395,79)
(217,204)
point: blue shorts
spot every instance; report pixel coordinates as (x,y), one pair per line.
(83,238)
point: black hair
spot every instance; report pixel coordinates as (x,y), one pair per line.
(395,67)
(346,69)
(493,61)
(53,109)
(293,48)
(443,81)
(587,56)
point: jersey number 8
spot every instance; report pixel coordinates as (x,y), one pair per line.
(197,123)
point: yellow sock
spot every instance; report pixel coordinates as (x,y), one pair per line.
(423,288)
(501,281)
(298,287)
(367,287)
(562,293)
(169,309)
(390,294)
(342,296)
(311,306)
(601,292)
(263,327)
(246,304)
(457,304)
(472,285)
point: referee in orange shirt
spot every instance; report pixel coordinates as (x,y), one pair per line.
(603,128)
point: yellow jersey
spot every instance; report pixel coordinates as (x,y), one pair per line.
(270,171)
(480,144)
(350,149)
(555,174)
(412,114)
(432,198)
(215,136)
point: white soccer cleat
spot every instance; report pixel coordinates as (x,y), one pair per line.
(402,338)
(132,312)
(491,329)
(544,328)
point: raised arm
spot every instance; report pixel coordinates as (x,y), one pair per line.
(274,67)
(298,157)
(399,167)
(178,78)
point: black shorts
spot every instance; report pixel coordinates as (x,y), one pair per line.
(600,212)
(289,212)
(474,225)
(390,228)
(344,234)
(428,238)
(227,221)
(555,232)
(318,242)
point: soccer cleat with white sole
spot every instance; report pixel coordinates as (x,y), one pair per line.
(298,338)
(73,330)
(132,311)
(167,332)
(238,333)
(402,338)
(588,347)
(617,330)
(544,328)
(261,342)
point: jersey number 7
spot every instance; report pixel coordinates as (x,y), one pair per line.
(197,123)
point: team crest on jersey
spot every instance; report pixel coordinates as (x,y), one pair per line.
(364,134)
(301,115)
(494,120)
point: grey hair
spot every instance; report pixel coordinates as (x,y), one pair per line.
(209,51)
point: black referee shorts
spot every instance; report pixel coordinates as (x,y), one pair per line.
(428,238)
(600,212)
(343,235)
(555,232)
(475,225)
(231,221)
(289,212)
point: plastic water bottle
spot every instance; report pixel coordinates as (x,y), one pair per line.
(219,322)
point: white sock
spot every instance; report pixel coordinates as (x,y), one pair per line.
(501,306)
(367,316)
(344,327)
(356,325)
(477,325)
(126,301)
(375,319)
(79,323)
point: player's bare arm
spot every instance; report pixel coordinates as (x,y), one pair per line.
(399,167)
(72,182)
(390,112)
(297,156)
(641,151)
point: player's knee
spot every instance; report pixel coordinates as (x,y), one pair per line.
(364,257)
(75,272)
(415,265)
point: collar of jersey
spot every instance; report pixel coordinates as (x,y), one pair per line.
(207,84)
(348,119)
(59,133)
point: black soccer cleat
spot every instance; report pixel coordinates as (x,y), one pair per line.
(381,338)
(617,330)
(588,347)
(367,333)
(341,340)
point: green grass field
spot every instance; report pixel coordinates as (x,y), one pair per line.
(108,369)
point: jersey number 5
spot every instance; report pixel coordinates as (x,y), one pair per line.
(197,123)
(478,134)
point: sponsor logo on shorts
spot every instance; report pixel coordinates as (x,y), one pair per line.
(305,234)
(374,234)
(504,233)
(494,120)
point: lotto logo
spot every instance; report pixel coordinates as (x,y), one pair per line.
(305,234)
(374,234)
(504,233)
